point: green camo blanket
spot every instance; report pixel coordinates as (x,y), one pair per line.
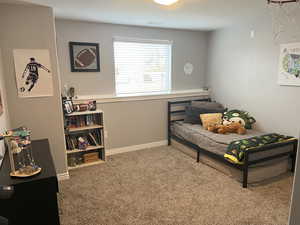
(236,149)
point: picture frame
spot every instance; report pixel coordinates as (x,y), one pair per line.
(289,64)
(33,73)
(84,57)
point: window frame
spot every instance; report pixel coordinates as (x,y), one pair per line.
(146,41)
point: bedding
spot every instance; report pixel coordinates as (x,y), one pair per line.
(236,149)
(217,143)
(213,142)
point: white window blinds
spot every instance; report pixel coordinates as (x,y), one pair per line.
(142,66)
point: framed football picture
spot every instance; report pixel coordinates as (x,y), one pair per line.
(84,57)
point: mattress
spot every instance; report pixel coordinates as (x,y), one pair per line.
(210,141)
(217,143)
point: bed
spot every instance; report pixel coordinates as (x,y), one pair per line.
(213,146)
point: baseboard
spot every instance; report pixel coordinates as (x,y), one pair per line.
(132,148)
(63,176)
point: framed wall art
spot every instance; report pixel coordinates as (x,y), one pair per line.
(33,72)
(84,57)
(289,64)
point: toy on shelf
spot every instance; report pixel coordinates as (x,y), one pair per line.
(18,143)
(82,144)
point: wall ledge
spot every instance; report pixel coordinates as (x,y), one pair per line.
(126,98)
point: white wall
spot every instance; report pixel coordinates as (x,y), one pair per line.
(32,27)
(135,122)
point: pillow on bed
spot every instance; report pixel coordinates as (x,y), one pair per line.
(211,119)
(192,114)
(207,105)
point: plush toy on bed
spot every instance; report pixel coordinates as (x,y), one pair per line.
(239,116)
(233,127)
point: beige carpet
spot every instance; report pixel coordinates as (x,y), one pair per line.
(164,186)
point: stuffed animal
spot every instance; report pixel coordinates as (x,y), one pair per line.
(82,143)
(229,128)
(239,116)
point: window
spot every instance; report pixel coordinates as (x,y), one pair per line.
(142,66)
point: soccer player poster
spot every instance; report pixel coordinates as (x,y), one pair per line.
(33,72)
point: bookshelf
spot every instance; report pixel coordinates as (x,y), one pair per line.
(84,138)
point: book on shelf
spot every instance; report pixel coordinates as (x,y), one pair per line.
(92,138)
(90,120)
(81,121)
(97,136)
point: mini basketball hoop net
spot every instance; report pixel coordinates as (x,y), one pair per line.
(281,2)
(284,15)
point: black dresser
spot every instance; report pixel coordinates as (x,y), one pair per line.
(34,201)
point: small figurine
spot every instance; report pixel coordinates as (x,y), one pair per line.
(82,144)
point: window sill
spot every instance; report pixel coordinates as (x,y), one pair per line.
(154,96)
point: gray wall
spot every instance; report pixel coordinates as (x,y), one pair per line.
(242,72)
(189,46)
(32,27)
(4,118)
(135,122)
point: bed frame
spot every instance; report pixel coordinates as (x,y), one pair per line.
(176,112)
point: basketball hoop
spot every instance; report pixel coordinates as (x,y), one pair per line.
(284,14)
(281,2)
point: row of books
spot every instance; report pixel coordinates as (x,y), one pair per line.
(91,138)
(81,121)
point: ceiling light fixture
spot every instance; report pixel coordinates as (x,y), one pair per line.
(165,2)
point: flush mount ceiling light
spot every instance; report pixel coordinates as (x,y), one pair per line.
(165,2)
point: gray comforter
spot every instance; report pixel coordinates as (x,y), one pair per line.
(216,143)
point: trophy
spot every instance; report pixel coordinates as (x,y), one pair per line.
(18,144)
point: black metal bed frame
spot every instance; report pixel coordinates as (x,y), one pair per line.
(247,162)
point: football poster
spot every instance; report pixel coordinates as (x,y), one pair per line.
(84,57)
(33,72)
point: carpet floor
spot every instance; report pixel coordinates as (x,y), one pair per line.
(164,186)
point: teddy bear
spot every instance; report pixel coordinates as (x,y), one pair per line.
(229,128)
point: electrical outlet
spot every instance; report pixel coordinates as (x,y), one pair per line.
(252,34)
